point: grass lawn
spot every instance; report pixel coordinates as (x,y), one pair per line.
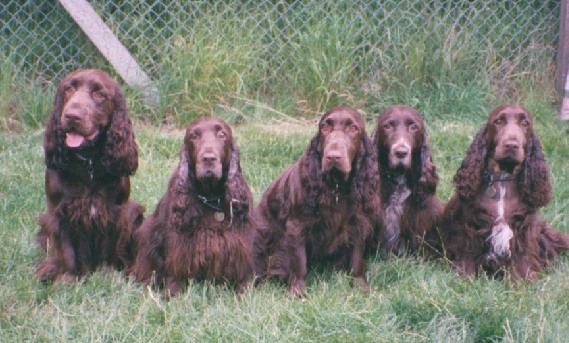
(411,301)
(449,71)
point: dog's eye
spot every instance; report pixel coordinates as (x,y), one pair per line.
(413,127)
(325,128)
(221,135)
(525,122)
(387,126)
(499,121)
(353,128)
(99,95)
(69,89)
(194,134)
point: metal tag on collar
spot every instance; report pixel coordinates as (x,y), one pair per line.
(490,191)
(219,216)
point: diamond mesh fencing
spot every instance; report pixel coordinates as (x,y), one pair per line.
(40,39)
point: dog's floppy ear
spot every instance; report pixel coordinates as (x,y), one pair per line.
(311,176)
(182,173)
(375,135)
(237,194)
(469,176)
(121,151)
(182,207)
(54,136)
(366,179)
(533,180)
(428,178)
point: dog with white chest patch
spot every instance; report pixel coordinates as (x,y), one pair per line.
(491,222)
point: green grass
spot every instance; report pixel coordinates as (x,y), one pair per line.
(412,300)
(224,69)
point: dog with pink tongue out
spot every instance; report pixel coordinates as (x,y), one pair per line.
(85,114)
(90,154)
(74,140)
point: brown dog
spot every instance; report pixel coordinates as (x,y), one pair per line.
(411,210)
(202,228)
(491,223)
(322,208)
(90,152)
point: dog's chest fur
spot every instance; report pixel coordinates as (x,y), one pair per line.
(394,210)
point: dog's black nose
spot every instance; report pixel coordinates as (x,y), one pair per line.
(512,145)
(401,152)
(72,116)
(333,156)
(209,157)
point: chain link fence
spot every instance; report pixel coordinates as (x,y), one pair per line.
(40,39)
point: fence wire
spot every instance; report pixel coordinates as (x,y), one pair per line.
(41,40)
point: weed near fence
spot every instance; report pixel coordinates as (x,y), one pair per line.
(296,57)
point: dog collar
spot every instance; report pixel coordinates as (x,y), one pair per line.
(213,203)
(88,164)
(490,178)
(336,193)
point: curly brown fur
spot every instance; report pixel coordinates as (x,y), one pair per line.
(90,152)
(322,208)
(410,208)
(202,228)
(491,222)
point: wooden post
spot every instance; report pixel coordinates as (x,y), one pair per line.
(111,48)
(562,81)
